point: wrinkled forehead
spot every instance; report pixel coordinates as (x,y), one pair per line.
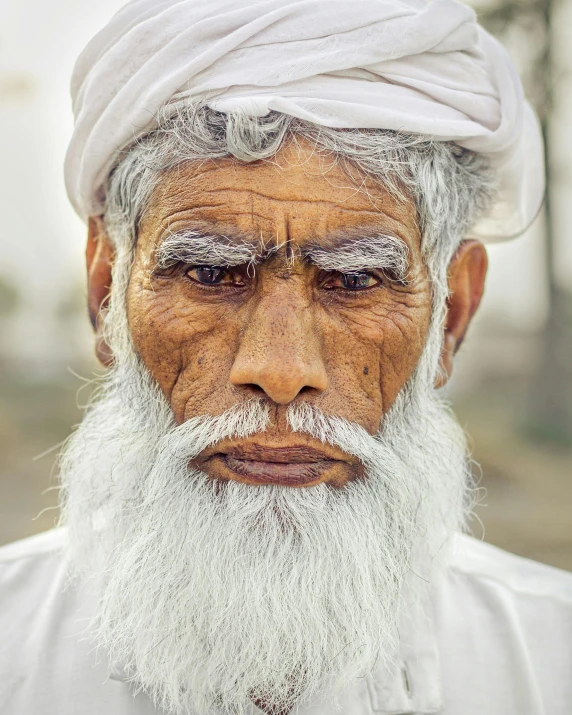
(298,197)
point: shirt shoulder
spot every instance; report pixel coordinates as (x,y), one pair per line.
(504,627)
(48,663)
(48,543)
(30,569)
(480,561)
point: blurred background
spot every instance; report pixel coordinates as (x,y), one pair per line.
(512,389)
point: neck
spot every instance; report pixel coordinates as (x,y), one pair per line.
(269,709)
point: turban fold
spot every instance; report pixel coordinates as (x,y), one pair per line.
(405,65)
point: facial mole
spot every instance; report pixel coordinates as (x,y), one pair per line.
(366,370)
(200,360)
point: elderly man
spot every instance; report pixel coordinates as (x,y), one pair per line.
(263,508)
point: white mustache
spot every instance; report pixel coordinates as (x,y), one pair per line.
(246,419)
(190,438)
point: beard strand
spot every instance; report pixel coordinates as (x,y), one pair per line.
(212,594)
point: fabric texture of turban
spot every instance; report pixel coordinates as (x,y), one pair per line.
(408,65)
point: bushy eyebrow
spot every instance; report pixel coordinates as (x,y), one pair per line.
(348,252)
(376,251)
(201,248)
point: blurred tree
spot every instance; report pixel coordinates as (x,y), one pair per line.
(550,404)
(9,297)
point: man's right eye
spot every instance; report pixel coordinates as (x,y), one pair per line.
(214,276)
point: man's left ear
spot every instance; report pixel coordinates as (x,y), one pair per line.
(466,279)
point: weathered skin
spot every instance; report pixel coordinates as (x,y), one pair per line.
(290,332)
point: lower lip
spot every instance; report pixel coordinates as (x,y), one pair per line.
(291,474)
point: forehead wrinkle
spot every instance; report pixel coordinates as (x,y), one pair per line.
(257,193)
(191,216)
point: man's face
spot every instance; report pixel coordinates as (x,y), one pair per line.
(329,303)
(283,282)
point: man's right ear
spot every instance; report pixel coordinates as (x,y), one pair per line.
(99,258)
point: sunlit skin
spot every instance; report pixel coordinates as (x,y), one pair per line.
(285,330)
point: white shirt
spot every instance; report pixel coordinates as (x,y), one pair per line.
(499,643)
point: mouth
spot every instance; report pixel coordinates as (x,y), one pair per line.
(289,466)
(292,466)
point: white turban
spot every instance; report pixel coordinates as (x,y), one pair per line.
(406,65)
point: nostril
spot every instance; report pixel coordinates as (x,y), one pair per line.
(308,390)
(254,389)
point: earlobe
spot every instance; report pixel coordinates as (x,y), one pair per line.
(99,259)
(466,278)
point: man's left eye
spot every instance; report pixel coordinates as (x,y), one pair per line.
(358,280)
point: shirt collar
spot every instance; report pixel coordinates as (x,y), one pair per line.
(412,684)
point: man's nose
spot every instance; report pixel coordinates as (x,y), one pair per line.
(280,351)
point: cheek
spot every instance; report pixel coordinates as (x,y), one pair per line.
(405,333)
(371,355)
(353,379)
(187,348)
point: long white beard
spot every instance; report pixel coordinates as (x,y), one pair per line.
(215,594)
